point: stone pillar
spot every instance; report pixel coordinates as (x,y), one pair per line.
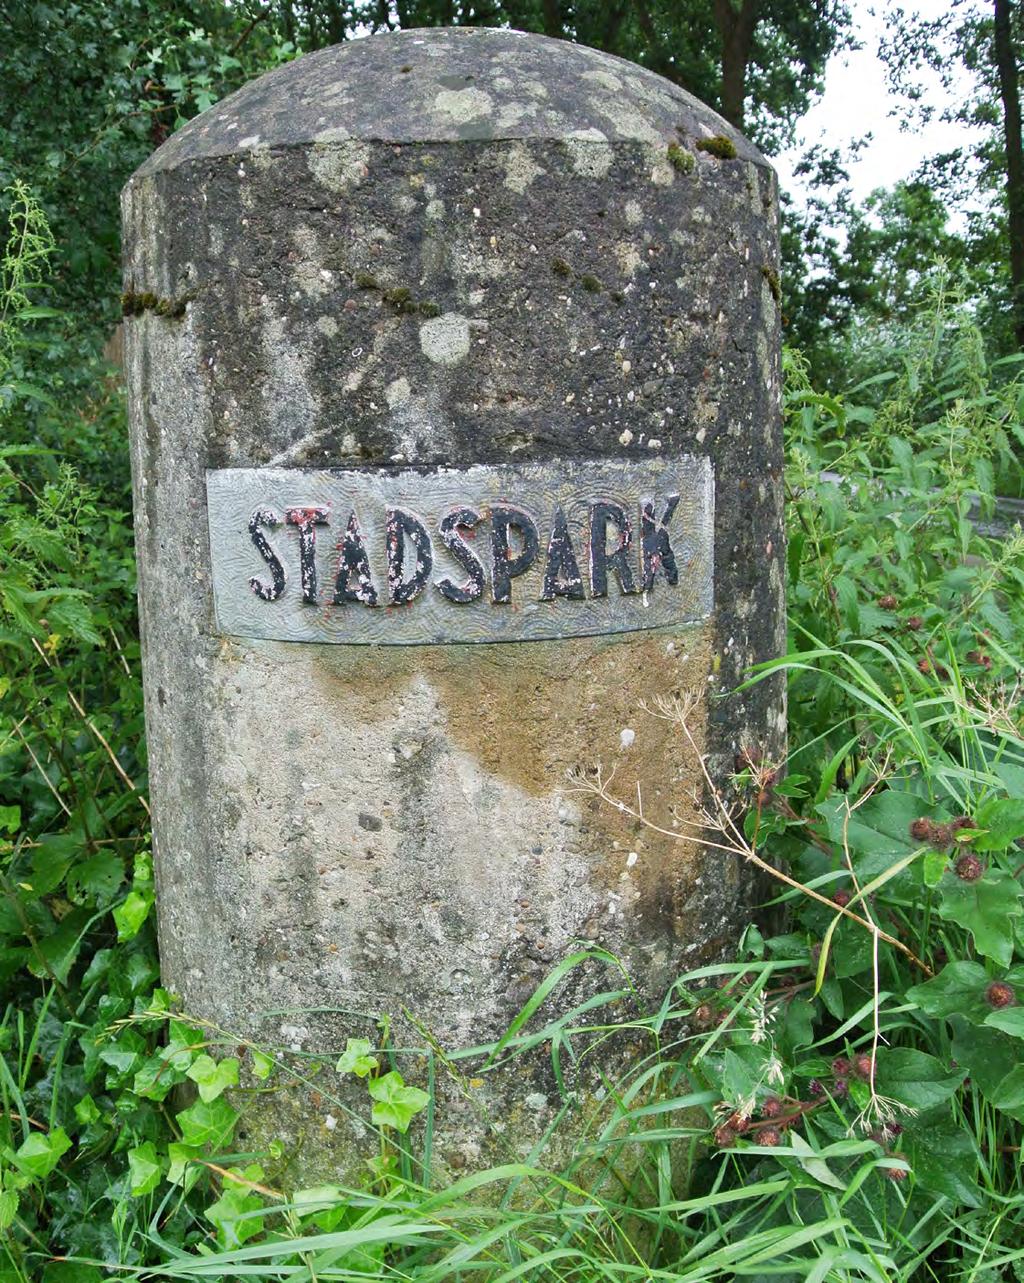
(453,359)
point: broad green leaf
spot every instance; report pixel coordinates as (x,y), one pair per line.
(987,908)
(1003,820)
(933,867)
(357,1058)
(1008,1094)
(987,1054)
(51,860)
(72,1272)
(395,1104)
(144,1169)
(97,878)
(915,1078)
(212,1077)
(1010,1020)
(944,1159)
(958,990)
(10,819)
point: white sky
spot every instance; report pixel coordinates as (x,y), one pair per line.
(857,101)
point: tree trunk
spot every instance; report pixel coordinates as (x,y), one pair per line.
(1009,90)
(735,23)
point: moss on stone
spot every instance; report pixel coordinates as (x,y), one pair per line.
(774,284)
(429,309)
(720,146)
(135,303)
(560,267)
(681,159)
(592,284)
(365,281)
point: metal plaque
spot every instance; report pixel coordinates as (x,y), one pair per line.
(477,554)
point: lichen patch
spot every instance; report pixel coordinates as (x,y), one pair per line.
(520,169)
(445,339)
(463,105)
(339,166)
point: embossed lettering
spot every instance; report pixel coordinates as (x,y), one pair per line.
(603,512)
(506,564)
(405,532)
(456,520)
(307,520)
(354,582)
(656,551)
(266,517)
(562,576)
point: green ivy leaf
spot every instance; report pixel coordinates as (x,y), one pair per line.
(396,1105)
(87,1111)
(262,1065)
(213,1076)
(208,1122)
(156,1077)
(8,1208)
(144,1169)
(987,908)
(130,914)
(39,1154)
(182,1167)
(357,1059)
(232,1212)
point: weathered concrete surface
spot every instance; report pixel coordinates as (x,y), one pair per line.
(432,248)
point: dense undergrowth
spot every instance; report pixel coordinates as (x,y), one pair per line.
(844,1099)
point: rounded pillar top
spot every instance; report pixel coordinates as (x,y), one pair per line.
(454,84)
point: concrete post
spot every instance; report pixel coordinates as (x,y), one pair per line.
(453,359)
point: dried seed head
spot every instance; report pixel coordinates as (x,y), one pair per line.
(921,830)
(888,602)
(999,994)
(724,1136)
(840,1088)
(842,898)
(969,868)
(863,1065)
(704,1016)
(897,1173)
(841,1067)
(769,1136)
(771,1108)
(748,759)
(914,623)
